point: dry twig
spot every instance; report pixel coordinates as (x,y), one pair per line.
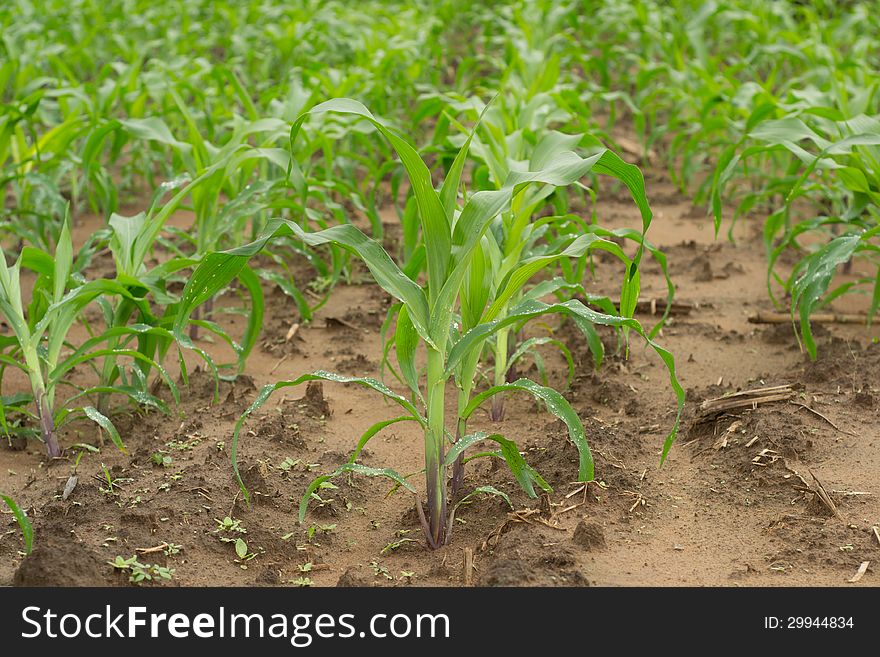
(746,399)
(819,318)
(278,364)
(823,495)
(863,568)
(468,565)
(818,414)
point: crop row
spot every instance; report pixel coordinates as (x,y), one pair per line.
(485,132)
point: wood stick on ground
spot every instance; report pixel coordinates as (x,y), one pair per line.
(278,364)
(468,565)
(793,470)
(746,399)
(876,533)
(658,307)
(568,508)
(580,489)
(823,495)
(329,321)
(525,515)
(493,536)
(818,414)
(863,568)
(819,318)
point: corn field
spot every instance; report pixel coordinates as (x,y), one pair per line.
(520,293)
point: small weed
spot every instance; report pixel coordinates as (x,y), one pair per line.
(288,464)
(379,569)
(229,525)
(161,459)
(141,572)
(393,545)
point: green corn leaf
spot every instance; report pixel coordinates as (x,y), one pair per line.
(533,308)
(435,222)
(63,259)
(558,406)
(484,490)
(812,285)
(102,421)
(267,391)
(126,232)
(251,283)
(476,288)
(480,210)
(57,375)
(354,468)
(27,530)
(524,474)
(449,189)
(515,281)
(594,342)
(406,341)
(137,395)
(528,345)
(9,360)
(153,129)
(287,286)
(216,270)
(374,429)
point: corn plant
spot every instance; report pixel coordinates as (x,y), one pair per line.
(835,167)
(39,344)
(427,313)
(512,137)
(31,168)
(234,185)
(132,241)
(517,240)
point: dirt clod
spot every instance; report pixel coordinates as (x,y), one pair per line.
(589,535)
(314,401)
(353,577)
(864,399)
(61,561)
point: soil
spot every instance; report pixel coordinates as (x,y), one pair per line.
(735,503)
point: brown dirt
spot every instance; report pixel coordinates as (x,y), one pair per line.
(729,507)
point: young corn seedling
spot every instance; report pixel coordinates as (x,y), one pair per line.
(134,238)
(426,315)
(31,168)
(39,344)
(222,189)
(512,136)
(525,232)
(27,530)
(524,236)
(835,166)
